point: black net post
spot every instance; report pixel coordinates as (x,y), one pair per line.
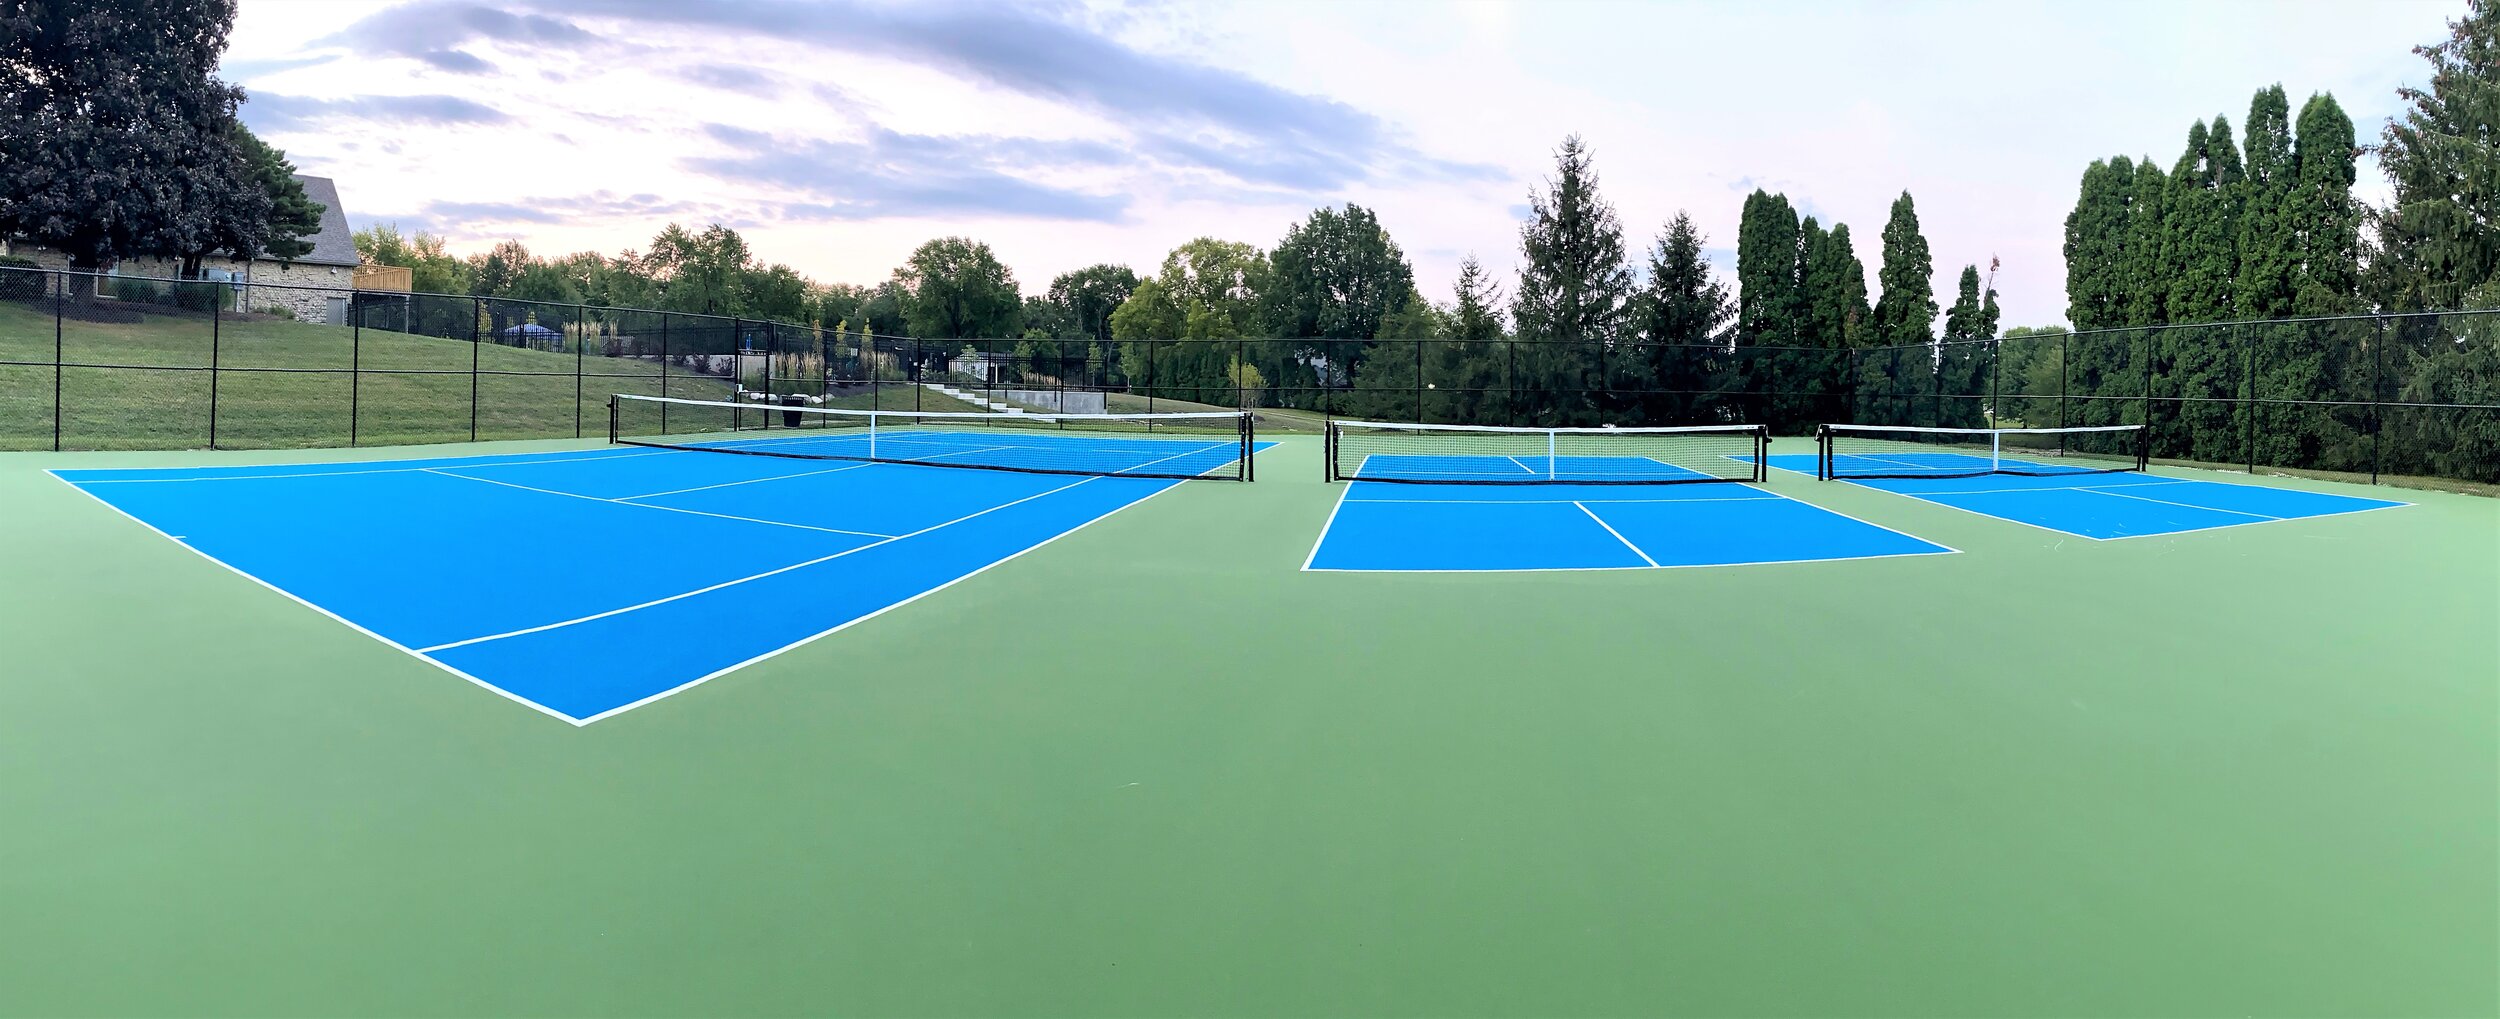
(664,356)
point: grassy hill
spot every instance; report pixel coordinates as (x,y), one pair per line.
(289,384)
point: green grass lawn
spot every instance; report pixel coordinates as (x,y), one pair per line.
(309,396)
(1154,769)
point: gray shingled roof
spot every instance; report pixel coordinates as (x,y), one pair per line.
(335,244)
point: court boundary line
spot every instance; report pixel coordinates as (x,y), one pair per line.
(1168,484)
(332,616)
(541,458)
(749,481)
(1862,483)
(683,595)
(1627,542)
(665,509)
(1764,488)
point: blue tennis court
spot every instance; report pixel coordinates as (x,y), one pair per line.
(2081,501)
(1396,527)
(587,583)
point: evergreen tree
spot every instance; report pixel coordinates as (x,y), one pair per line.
(1963,354)
(2096,239)
(2439,237)
(2321,213)
(1905,313)
(2267,243)
(1466,371)
(2145,269)
(1573,287)
(1844,301)
(1767,248)
(1682,316)
(2200,229)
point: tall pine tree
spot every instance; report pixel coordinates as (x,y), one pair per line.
(2268,247)
(1573,286)
(1905,313)
(2321,213)
(1767,235)
(2096,236)
(1682,316)
(2439,238)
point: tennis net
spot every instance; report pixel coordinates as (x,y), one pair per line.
(1493,455)
(1890,451)
(1193,445)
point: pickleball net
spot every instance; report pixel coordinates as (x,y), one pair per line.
(1495,455)
(1906,451)
(1186,445)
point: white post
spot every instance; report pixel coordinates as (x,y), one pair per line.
(1996,451)
(1549,455)
(872,434)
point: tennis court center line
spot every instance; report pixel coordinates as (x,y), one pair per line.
(680,596)
(1610,529)
(539,459)
(326,613)
(855,621)
(749,481)
(665,509)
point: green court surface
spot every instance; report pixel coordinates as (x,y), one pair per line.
(1155,768)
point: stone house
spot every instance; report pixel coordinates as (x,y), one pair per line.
(313,288)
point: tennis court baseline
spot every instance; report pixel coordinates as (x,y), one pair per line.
(2091,504)
(587,583)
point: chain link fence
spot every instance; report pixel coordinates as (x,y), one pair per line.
(112,362)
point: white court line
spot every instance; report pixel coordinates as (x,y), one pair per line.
(749,481)
(333,616)
(2166,502)
(1332,511)
(1193,452)
(733,583)
(847,624)
(663,509)
(1555,502)
(1610,529)
(542,459)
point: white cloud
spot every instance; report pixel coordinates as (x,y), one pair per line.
(1070,135)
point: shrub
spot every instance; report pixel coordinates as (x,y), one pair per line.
(22,279)
(278,311)
(134,289)
(193,295)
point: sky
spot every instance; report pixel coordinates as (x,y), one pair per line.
(837,135)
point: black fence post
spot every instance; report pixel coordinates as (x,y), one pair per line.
(60,290)
(581,350)
(355,364)
(2255,406)
(216,320)
(664,372)
(477,309)
(1419,382)
(2378,396)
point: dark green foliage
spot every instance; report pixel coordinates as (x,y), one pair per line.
(2096,239)
(117,140)
(1180,332)
(1684,308)
(2439,238)
(2268,244)
(1964,355)
(294,218)
(1573,289)
(1336,276)
(1905,314)
(2200,236)
(1767,256)
(1835,291)
(959,290)
(2146,271)
(1088,296)
(2321,212)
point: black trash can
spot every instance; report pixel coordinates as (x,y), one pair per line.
(791,418)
